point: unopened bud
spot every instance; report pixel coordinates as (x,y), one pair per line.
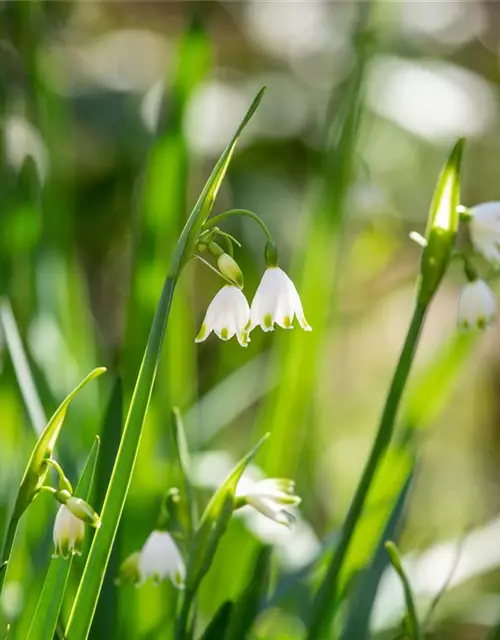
(79,508)
(129,570)
(230,269)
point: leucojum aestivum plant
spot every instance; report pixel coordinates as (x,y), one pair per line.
(181,546)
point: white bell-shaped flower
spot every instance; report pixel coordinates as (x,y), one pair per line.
(69,532)
(484,227)
(276,301)
(160,558)
(227,315)
(271,497)
(477,305)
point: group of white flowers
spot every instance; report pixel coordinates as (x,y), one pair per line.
(276,301)
(477,306)
(160,557)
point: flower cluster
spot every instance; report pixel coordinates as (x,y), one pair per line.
(477,306)
(276,301)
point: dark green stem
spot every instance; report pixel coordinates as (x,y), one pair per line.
(240,212)
(327,593)
(183,618)
(7,548)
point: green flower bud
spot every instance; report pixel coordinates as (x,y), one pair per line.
(79,508)
(271,254)
(442,226)
(230,269)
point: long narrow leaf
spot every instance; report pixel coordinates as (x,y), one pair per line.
(37,468)
(212,526)
(49,605)
(90,585)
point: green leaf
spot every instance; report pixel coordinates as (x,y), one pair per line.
(361,602)
(37,468)
(51,598)
(206,540)
(88,592)
(22,367)
(442,226)
(248,604)
(216,630)
(185,467)
(411,623)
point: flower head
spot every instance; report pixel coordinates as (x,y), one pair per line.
(276,301)
(69,532)
(476,306)
(270,497)
(227,315)
(484,227)
(160,558)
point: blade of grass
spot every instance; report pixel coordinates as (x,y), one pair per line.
(21,367)
(411,622)
(248,604)
(206,540)
(361,602)
(185,466)
(51,598)
(217,627)
(88,591)
(105,621)
(37,468)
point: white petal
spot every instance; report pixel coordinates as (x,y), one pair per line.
(276,301)
(476,306)
(160,558)
(228,314)
(485,230)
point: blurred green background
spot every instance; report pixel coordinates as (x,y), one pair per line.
(113,114)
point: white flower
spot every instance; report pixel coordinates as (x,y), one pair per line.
(228,314)
(270,497)
(69,532)
(476,306)
(276,301)
(160,558)
(484,227)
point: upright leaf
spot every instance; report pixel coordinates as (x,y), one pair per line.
(51,598)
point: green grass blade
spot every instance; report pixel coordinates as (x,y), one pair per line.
(213,524)
(218,626)
(361,602)
(185,467)
(90,585)
(411,622)
(104,625)
(51,598)
(21,367)
(248,604)
(37,468)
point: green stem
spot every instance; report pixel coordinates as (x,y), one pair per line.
(183,618)
(240,212)
(328,589)
(7,549)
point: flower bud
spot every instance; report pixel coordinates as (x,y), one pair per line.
(230,269)
(79,508)
(69,532)
(129,570)
(442,226)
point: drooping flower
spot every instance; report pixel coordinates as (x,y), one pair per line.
(227,315)
(484,224)
(69,532)
(477,305)
(160,558)
(271,497)
(276,301)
